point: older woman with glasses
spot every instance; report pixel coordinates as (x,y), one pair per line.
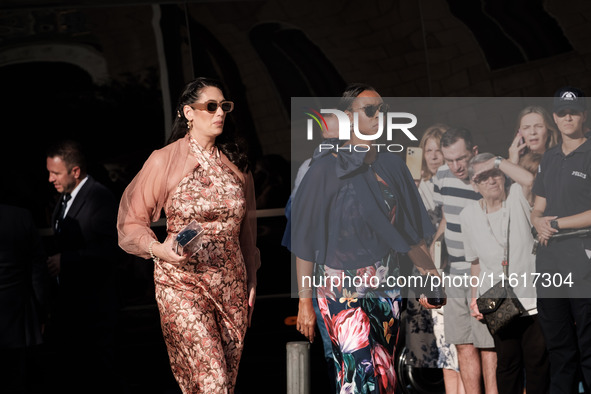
(205,299)
(497,229)
(353,214)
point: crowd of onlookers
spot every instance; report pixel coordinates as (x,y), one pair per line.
(492,211)
(524,219)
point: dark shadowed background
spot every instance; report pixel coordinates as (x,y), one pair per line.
(108,73)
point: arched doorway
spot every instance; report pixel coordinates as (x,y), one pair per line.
(41,104)
(49,101)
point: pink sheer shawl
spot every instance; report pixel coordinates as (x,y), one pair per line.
(152,187)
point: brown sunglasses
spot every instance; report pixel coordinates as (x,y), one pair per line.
(211,106)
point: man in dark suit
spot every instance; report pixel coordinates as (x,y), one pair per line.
(84,223)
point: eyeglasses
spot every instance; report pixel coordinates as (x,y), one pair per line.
(486,175)
(212,106)
(370,110)
(563,112)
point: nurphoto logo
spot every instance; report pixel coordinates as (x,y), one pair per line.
(392,124)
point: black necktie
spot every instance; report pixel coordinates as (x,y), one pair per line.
(63,204)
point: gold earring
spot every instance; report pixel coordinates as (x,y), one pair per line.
(189,124)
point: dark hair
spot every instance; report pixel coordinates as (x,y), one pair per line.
(230,145)
(71,153)
(451,136)
(351,92)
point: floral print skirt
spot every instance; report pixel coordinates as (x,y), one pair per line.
(203,303)
(425,338)
(203,312)
(363,324)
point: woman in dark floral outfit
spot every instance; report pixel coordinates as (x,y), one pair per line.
(353,214)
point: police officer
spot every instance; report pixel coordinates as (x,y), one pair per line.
(563,203)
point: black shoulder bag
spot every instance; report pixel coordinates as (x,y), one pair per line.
(499,305)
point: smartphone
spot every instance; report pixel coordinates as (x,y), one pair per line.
(437,261)
(414,161)
(521,140)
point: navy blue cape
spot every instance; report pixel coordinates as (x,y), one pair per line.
(339,217)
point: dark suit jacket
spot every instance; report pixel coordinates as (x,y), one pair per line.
(85,314)
(87,241)
(23,273)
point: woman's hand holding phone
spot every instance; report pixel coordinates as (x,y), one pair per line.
(517,147)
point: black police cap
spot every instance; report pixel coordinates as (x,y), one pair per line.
(569,97)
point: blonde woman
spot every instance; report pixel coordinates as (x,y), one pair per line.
(535,133)
(432,160)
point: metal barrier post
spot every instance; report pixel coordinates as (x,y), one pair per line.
(298,367)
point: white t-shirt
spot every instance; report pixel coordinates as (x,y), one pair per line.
(481,244)
(427,193)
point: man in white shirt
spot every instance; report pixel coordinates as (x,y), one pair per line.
(85,311)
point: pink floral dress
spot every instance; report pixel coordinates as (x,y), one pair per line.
(203,303)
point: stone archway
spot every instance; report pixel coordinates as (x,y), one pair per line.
(87,58)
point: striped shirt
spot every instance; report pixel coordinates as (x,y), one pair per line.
(453,194)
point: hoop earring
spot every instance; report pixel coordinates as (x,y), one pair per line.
(189,124)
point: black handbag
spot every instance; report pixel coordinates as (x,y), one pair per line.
(499,305)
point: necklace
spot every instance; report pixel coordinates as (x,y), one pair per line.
(504,243)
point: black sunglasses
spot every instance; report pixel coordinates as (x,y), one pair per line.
(370,110)
(486,175)
(563,112)
(212,106)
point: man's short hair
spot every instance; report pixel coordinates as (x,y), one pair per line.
(452,136)
(71,154)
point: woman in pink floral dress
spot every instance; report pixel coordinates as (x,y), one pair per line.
(205,300)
